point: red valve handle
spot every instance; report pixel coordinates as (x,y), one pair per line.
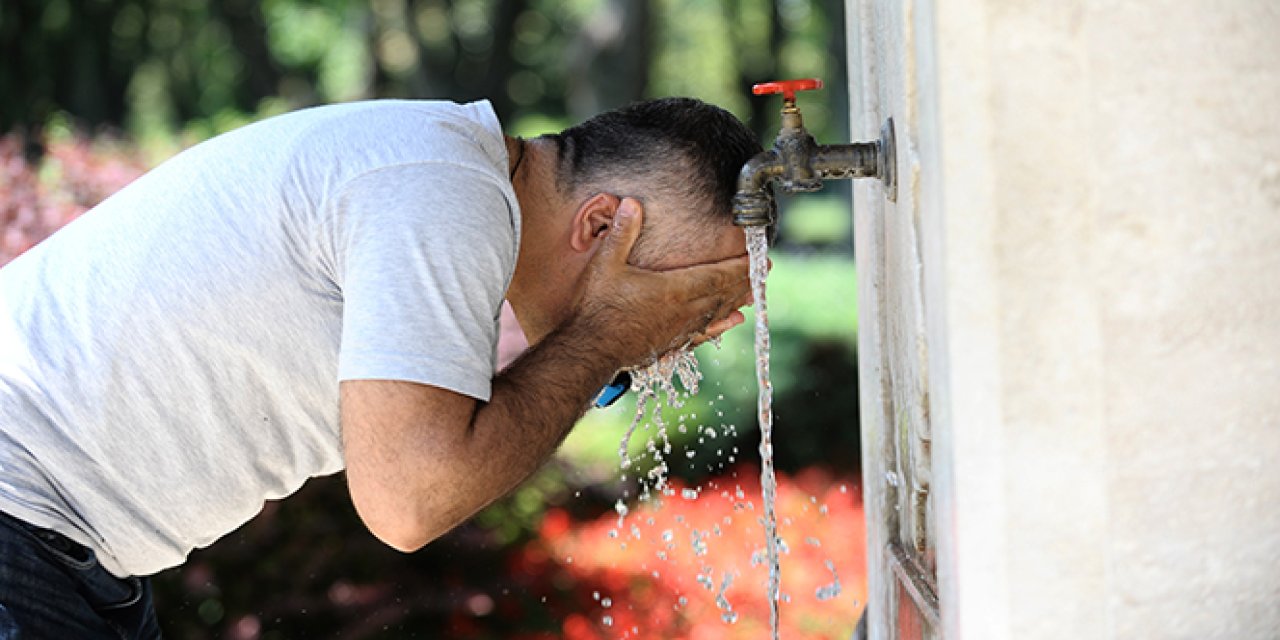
(787,88)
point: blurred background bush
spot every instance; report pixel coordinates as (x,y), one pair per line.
(93,92)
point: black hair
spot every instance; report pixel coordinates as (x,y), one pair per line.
(683,146)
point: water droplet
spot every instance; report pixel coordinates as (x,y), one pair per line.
(892,478)
(606,602)
(607,621)
(832,590)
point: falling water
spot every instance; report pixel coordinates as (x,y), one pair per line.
(651,382)
(758,248)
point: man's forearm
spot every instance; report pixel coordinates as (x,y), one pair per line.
(554,380)
(534,404)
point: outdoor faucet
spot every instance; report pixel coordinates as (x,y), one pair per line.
(798,164)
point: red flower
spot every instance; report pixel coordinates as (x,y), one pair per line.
(688,564)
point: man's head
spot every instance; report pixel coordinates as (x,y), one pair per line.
(679,156)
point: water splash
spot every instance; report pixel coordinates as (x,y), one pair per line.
(650,384)
(722,602)
(669,382)
(758,248)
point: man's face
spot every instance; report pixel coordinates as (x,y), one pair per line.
(684,244)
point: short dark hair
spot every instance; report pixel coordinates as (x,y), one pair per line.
(684,146)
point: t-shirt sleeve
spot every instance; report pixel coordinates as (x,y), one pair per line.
(423,256)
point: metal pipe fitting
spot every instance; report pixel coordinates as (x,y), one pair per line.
(797,164)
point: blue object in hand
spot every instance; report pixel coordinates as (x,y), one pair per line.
(614,390)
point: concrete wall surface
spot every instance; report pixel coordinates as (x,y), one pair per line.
(1097,189)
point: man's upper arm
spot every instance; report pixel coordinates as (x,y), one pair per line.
(397,438)
(424,253)
(423,256)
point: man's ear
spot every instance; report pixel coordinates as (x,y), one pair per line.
(592,220)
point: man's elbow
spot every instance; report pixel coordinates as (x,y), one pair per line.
(400,539)
(398,527)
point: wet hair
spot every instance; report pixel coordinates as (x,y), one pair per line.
(681,148)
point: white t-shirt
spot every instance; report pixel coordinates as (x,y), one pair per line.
(171,359)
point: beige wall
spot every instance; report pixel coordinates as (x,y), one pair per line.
(1099,211)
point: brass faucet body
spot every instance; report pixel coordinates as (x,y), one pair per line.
(798,164)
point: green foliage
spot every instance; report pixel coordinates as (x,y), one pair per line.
(696,54)
(817,221)
(515,518)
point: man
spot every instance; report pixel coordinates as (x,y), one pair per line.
(318,292)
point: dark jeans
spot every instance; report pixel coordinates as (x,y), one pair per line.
(53,589)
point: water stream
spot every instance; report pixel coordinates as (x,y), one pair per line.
(655,386)
(758,248)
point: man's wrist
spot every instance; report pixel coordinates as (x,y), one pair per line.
(590,341)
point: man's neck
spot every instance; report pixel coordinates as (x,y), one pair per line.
(539,286)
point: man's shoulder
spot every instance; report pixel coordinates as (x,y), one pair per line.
(372,134)
(402,123)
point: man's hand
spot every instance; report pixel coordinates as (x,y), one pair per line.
(637,314)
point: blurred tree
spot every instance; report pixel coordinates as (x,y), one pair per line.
(159,66)
(610,57)
(247,28)
(59,56)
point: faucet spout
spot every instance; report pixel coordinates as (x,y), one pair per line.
(753,203)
